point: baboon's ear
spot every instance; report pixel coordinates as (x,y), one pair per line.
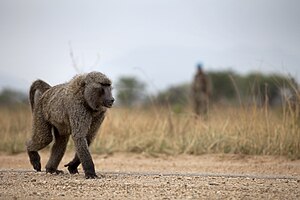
(92,93)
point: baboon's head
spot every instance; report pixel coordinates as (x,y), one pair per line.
(97,91)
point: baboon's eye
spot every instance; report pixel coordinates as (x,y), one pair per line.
(102,90)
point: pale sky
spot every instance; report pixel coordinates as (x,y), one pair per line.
(160,41)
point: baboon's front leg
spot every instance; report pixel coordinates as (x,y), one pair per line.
(73,165)
(85,157)
(96,122)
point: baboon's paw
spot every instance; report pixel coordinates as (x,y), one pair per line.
(54,171)
(71,169)
(37,166)
(35,160)
(90,176)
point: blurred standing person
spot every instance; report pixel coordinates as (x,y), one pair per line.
(200,92)
(295,98)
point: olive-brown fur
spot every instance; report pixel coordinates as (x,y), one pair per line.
(75,108)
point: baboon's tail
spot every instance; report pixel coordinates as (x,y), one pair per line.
(37,86)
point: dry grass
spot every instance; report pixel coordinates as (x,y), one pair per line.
(252,130)
(15,127)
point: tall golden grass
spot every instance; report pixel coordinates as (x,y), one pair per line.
(251,130)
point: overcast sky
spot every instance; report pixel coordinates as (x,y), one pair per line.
(160,41)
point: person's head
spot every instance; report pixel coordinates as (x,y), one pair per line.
(199,67)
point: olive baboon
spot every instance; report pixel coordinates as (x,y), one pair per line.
(75,108)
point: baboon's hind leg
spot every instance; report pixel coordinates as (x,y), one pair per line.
(41,137)
(57,152)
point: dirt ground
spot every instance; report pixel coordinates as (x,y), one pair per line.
(141,176)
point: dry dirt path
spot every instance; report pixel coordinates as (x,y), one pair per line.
(139,176)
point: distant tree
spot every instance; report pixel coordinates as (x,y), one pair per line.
(227,86)
(130,90)
(10,97)
(266,88)
(223,85)
(178,94)
(175,96)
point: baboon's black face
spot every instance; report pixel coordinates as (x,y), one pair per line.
(98,95)
(107,99)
